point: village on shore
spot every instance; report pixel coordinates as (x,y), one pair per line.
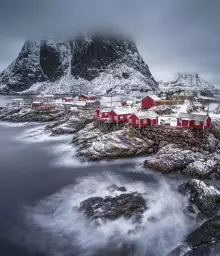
(137,110)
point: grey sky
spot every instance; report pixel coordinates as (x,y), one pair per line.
(172,35)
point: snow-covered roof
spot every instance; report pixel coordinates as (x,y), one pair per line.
(148,114)
(78,103)
(106,110)
(123,111)
(90,101)
(48,96)
(67,103)
(36,102)
(140,94)
(192,116)
(18,100)
(154,97)
(68,98)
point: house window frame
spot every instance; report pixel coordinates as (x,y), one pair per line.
(137,121)
(115,118)
(196,122)
(121,118)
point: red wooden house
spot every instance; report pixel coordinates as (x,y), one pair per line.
(120,115)
(68,99)
(149,101)
(36,104)
(87,97)
(102,114)
(198,121)
(143,119)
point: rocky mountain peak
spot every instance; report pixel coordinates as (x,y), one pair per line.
(103,61)
(186,82)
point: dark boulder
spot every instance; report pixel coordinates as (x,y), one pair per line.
(127,205)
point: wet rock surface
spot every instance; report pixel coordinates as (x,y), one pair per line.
(204,195)
(93,144)
(206,239)
(27,114)
(127,205)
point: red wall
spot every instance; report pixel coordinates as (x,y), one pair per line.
(149,122)
(97,114)
(68,100)
(105,114)
(147,103)
(193,125)
(185,123)
(124,119)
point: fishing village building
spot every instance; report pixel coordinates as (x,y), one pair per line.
(192,120)
(143,119)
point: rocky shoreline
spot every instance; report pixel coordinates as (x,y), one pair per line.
(170,150)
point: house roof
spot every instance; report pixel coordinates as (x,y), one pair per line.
(154,97)
(148,114)
(123,111)
(106,110)
(192,116)
(140,94)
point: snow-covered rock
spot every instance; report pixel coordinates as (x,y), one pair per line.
(94,145)
(98,63)
(201,168)
(27,114)
(186,83)
(204,195)
(172,158)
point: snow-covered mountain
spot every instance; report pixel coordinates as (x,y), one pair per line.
(96,63)
(187,83)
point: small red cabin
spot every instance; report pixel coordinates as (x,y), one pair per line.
(143,119)
(86,97)
(83,97)
(198,121)
(102,114)
(68,99)
(120,115)
(149,101)
(36,104)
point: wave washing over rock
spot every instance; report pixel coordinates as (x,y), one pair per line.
(98,63)
(55,225)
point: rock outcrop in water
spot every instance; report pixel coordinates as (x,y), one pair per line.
(204,195)
(204,241)
(93,144)
(127,205)
(96,62)
(27,114)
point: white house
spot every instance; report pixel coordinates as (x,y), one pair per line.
(110,101)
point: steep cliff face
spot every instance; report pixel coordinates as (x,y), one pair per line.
(97,63)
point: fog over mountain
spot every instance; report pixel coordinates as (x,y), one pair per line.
(172,36)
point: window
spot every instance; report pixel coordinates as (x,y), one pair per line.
(110,118)
(130,120)
(137,121)
(197,122)
(116,118)
(121,117)
(145,121)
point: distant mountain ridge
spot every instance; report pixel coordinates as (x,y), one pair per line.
(187,83)
(95,63)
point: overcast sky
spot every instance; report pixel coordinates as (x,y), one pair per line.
(172,35)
